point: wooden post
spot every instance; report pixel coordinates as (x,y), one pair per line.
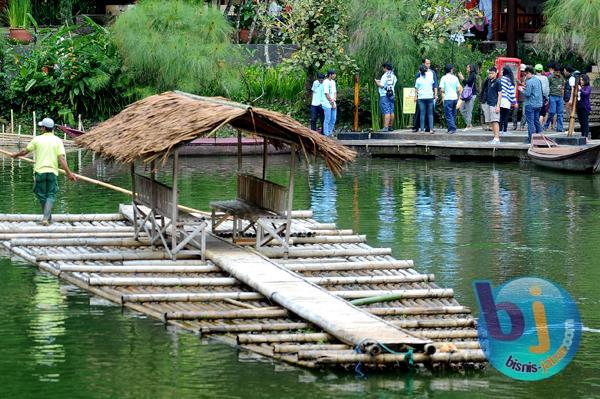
(496,10)
(288,226)
(574,93)
(511,28)
(239,151)
(80,123)
(135,225)
(174,205)
(265,156)
(34,125)
(12,122)
(356,100)
(153,201)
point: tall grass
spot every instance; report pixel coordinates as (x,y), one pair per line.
(178,45)
(18,13)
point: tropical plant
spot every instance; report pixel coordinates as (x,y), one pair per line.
(176,45)
(65,74)
(573,25)
(18,13)
(320,29)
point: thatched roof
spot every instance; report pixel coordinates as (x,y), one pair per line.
(152,128)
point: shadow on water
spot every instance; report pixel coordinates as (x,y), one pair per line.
(460,221)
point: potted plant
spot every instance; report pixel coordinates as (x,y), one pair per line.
(18,15)
(246,16)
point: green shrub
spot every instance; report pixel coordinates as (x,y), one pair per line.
(18,13)
(168,45)
(65,74)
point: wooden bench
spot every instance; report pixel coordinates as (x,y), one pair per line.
(262,204)
(164,215)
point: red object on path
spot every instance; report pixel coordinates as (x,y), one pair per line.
(514,64)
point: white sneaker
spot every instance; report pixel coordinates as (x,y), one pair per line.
(495,141)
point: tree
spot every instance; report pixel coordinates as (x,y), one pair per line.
(573,25)
(320,29)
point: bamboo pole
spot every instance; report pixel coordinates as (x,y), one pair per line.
(89,217)
(463,356)
(10,236)
(80,242)
(349,239)
(230,281)
(192,297)
(418,310)
(362,265)
(34,125)
(321,252)
(167,262)
(12,122)
(281,338)
(66,229)
(254,327)
(137,269)
(399,294)
(574,93)
(295,348)
(164,281)
(227,314)
(116,256)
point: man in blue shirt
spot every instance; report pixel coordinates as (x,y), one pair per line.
(534,100)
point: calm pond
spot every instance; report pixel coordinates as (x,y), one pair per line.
(461,221)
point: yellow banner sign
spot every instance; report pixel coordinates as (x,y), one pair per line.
(409,105)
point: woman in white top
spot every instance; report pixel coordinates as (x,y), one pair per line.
(425,95)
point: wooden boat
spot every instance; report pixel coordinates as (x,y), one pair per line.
(581,159)
(209,146)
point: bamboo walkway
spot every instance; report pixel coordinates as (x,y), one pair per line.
(98,254)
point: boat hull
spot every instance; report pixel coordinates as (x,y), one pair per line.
(578,160)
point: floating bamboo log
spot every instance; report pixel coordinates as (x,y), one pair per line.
(256,327)
(79,242)
(163,281)
(229,281)
(302,214)
(334,232)
(400,294)
(137,269)
(117,256)
(165,262)
(363,265)
(349,239)
(348,357)
(192,297)
(108,217)
(268,338)
(323,226)
(295,348)
(417,310)
(227,314)
(316,252)
(10,236)
(67,229)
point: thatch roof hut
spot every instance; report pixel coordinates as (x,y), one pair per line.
(152,128)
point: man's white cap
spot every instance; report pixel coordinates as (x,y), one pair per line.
(47,123)
(523,67)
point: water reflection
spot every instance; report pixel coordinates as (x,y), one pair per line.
(323,197)
(47,327)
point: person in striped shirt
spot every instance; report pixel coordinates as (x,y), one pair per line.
(508,101)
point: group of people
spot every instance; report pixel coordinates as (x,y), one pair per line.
(323,106)
(542,99)
(539,98)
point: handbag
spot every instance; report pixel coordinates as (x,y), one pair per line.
(467,93)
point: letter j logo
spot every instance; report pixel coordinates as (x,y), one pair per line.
(529,328)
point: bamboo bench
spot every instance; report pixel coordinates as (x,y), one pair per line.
(262,204)
(164,214)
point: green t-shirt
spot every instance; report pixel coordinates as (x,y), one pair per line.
(556,85)
(46,148)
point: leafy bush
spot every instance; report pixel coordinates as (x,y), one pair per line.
(18,13)
(66,74)
(169,45)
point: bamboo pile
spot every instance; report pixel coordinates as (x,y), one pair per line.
(96,253)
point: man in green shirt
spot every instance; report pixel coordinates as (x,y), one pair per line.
(49,151)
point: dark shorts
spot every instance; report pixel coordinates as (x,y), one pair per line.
(45,186)
(386,105)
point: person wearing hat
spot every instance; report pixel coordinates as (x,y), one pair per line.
(329,103)
(519,110)
(316,109)
(49,151)
(539,73)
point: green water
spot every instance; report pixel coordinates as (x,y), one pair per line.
(461,221)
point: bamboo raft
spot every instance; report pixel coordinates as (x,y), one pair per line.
(97,253)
